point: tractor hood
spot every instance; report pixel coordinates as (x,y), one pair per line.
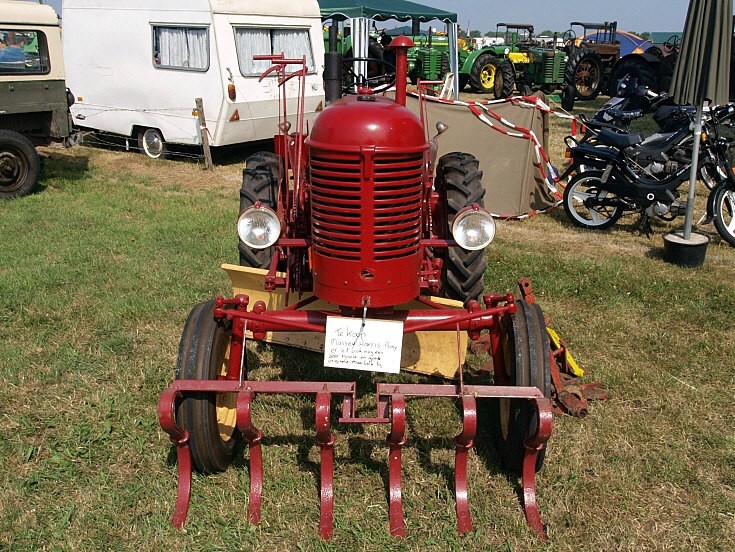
(367,120)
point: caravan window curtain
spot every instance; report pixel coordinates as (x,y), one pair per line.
(250,41)
(181,48)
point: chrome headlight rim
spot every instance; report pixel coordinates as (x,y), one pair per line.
(266,216)
(466,215)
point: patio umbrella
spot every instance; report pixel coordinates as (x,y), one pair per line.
(703,71)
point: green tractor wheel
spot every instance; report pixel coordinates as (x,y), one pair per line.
(489,75)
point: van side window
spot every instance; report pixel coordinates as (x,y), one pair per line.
(250,41)
(181,48)
(24,52)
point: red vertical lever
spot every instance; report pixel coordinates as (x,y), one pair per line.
(533,446)
(463,443)
(252,436)
(325,438)
(396,440)
(180,438)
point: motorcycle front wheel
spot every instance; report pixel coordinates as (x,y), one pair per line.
(588,205)
(724,213)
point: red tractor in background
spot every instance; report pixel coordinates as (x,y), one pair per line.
(361,218)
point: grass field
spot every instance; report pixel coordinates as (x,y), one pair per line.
(98,273)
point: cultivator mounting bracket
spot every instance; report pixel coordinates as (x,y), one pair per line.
(391,410)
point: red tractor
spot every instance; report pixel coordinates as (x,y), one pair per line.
(361,217)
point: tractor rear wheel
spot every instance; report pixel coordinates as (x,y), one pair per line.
(585,72)
(635,67)
(261,178)
(489,75)
(209,419)
(527,364)
(459,184)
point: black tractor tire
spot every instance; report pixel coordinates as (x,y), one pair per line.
(527,362)
(459,184)
(567,97)
(444,64)
(210,419)
(724,213)
(152,144)
(19,165)
(261,179)
(463,80)
(490,75)
(635,67)
(585,72)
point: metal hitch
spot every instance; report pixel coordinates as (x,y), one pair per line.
(391,410)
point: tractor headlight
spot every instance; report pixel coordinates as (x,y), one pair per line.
(506,51)
(258,227)
(473,228)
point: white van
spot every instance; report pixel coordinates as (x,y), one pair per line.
(136,67)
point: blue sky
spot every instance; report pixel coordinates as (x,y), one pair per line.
(631,15)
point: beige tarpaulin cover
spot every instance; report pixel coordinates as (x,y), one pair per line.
(514,184)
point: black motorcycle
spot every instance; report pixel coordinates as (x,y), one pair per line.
(610,178)
(660,154)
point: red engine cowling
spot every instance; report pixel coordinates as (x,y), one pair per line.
(367,171)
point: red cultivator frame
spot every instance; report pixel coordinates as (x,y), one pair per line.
(360,215)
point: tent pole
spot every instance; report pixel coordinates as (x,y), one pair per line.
(693,173)
(452,34)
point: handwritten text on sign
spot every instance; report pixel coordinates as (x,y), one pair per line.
(373,345)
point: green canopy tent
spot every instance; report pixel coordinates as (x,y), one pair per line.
(382,10)
(358,12)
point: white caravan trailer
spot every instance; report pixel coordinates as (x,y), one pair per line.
(137,66)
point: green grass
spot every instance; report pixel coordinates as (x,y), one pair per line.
(98,273)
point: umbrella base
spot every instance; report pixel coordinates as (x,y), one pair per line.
(688,253)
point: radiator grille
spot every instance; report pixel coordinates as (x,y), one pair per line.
(375,215)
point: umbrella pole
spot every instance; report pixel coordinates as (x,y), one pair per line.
(693,173)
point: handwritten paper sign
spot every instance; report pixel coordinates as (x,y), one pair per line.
(372,345)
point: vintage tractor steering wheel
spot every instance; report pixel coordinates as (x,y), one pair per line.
(672,44)
(383,81)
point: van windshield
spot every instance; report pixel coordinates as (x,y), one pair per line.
(23,52)
(251,41)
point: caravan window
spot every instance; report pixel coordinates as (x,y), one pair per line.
(294,43)
(23,52)
(181,48)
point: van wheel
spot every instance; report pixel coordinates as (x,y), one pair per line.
(19,165)
(151,142)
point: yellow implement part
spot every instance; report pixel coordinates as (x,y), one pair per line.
(432,353)
(556,342)
(519,57)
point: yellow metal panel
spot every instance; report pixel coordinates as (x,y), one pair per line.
(432,353)
(519,57)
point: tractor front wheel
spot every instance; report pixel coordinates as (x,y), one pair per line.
(527,364)
(459,184)
(210,419)
(261,178)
